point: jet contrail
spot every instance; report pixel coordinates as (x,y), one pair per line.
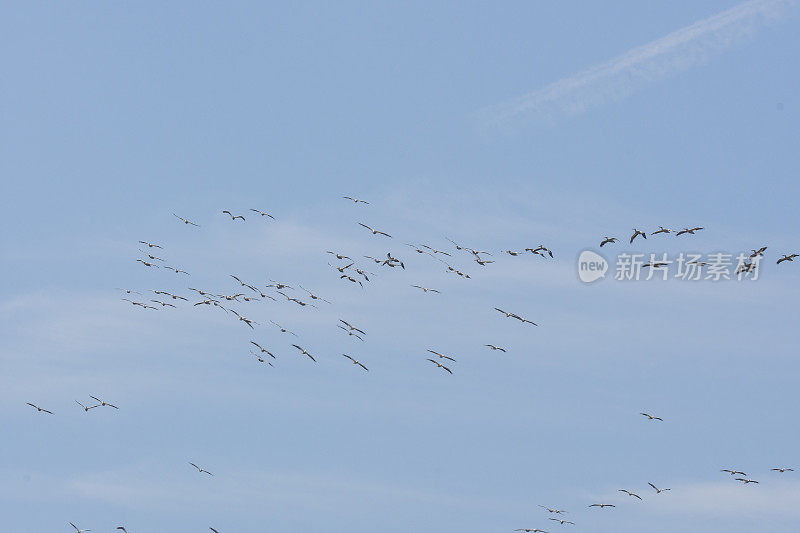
(621,76)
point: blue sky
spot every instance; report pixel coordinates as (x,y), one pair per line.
(118,115)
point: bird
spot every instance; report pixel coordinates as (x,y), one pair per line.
(733,472)
(534,530)
(262,213)
(374,231)
(483,262)
(758,253)
(129,291)
(85,408)
(493,347)
(516,316)
(176,270)
(201,470)
(782,470)
(442,356)
(77,529)
(561,521)
(163,304)
(102,403)
(214,530)
(151,257)
(39,409)
(173,296)
(283,330)
(244,319)
(263,350)
(435,251)
(608,240)
(636,233)
(356,362)
(352,328)
(313,296)
(339,256)
(549,510)
(688,230)
(658,491)
(145,263)
(122,528)
(651,417)
(602,505)
(746,481)
(512,253)
(439,365)
(233,217)
(186,220)
(787,258)
(629,493)
(351,279)
(150,245)
(355,200)
(349,332)
(661,229)
(304,352)
(425,289)
(539,249)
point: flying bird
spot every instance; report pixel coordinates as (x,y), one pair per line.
(658,491)
(562,522)
(283,330)
(759,252)
(425,289)
(746,481)
(691,231)
(355,200)
(78,530)
(339,256)
(150,245)
(201,470)
(651,417)
(661,229)
(442,356)
(439,365)
(787,258)
(304,352)
(602,505)
(629,493)
(556,511)
(186,220)
(356,362)
(263,350)
(493,347)
(352,328)
(232,215)
(102,403)
(176,270)
(85,408)
(608,240)
(733,472)
(39,409)
(636,233)
(262,213)
(374,231)
(349,332)
(782,470)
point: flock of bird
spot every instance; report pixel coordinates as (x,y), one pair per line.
(347,270)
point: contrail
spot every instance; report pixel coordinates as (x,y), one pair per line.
(621,76)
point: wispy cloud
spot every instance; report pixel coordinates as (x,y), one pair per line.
(625,74)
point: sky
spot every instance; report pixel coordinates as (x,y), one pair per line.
(500,126)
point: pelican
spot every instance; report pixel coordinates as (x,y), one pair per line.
(355,200)
(692,231)
(746,481)
(608,240)
(151,257)
(658,491)
(636,233)
(661,229)
(733,472)
(352,328)
(283,330)
(339,256)
(85,408)
(185,220)
(602,505)
(651,417)
(374,231)
(201,470)
(440,356)
(439,365)
(493,347)
(787,258)
(78,530)
(232,215)
(556,511)
(145,263)
(782,470)
(39,409)
(102,403)
(349,332)
(150,245)
(562,522)
(758,253)
(176,270)
(262,213)
(304,352)
(254,343)
(425,289)
(356,362)
(629,493)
